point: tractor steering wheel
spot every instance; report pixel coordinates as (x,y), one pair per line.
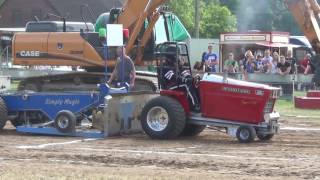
(196,80)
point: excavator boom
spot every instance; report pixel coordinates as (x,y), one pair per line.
(306,14)
(133,9)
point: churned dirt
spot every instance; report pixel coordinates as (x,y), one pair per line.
(292,154)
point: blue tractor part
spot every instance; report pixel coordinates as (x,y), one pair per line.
(53,113)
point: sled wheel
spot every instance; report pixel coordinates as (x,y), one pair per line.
(65,121)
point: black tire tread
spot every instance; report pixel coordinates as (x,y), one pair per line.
(192,130)
(175,107)
(267,137)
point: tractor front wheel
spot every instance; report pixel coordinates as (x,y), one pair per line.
(246,134)
(163,118)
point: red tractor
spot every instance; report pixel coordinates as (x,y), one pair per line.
(188,104)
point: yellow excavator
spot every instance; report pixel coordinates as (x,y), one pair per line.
(148,25)
(146,21)
(307,16)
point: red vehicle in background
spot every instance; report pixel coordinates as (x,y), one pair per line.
(244,109)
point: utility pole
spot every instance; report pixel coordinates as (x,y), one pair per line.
(197,19)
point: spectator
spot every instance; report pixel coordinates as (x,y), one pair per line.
(273,65)
(267,56)
(259,64)
(124,71)
(230,65)
(240,63)
(211,60)
(259,52)
(267,61)
(203,61)
(275,54)
(305,65)
(283,66)
(243,63)
(197,66)
(250,65)
(290,59)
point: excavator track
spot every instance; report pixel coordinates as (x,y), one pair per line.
(79,81)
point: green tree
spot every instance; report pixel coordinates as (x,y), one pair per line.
(197,18)
(214,17)
(184,9)
(262,15)
(283,19)
(231,4)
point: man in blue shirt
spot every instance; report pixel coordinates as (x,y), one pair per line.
(211,60)
(124,71)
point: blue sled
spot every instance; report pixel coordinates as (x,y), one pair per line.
(46,106)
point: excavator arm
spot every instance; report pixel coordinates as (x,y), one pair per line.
(133,10)
(307,14)
(134,14)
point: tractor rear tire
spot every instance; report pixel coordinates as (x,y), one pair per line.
(192,130)
(3,113)
(163,118)
(246,134)
(266,137)
(65,121)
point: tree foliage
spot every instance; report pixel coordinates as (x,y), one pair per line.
(263,15)
(184,9)
(230,15)
(214,18)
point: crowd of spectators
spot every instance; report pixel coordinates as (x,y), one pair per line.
(265,62)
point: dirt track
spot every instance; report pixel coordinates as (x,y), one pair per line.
(293,154)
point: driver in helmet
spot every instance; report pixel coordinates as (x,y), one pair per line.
(179,79)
